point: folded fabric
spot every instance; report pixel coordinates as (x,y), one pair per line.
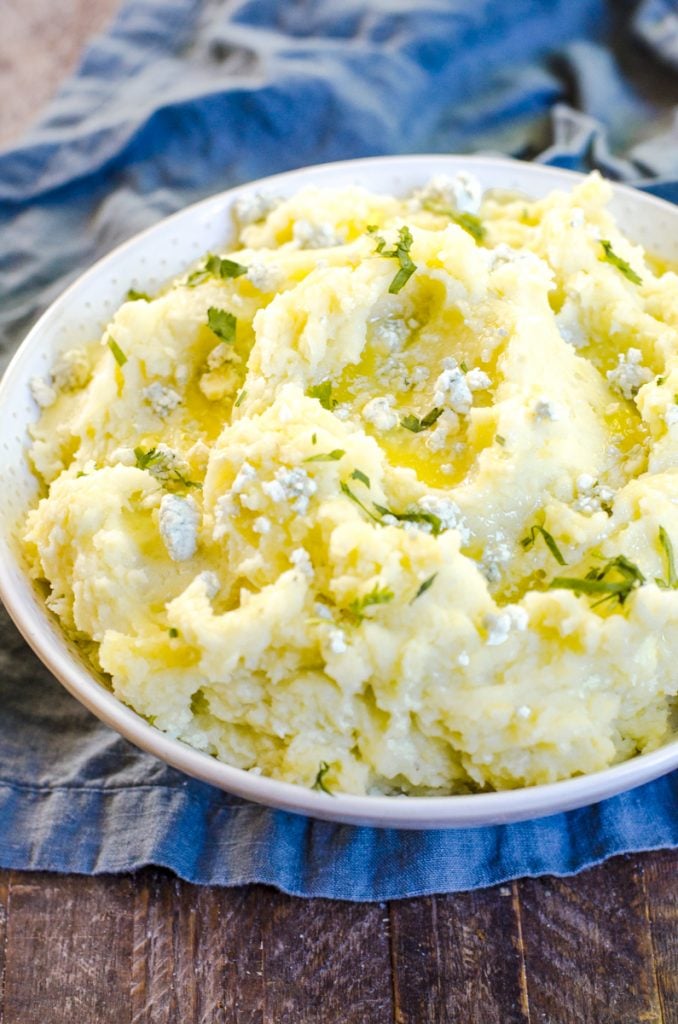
(182,98)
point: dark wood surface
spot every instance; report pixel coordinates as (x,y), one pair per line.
(600,948)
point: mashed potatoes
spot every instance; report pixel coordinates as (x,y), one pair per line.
(384,498)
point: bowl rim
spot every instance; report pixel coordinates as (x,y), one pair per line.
(412,812)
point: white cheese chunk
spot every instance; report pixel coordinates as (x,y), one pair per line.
(499,626)
(179,518)
(629,375)
(43,393)
(254,206)
(315,236)
(379,413)
(162,399)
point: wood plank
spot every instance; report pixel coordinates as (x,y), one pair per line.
(588,948)
(326,961)
(457,958)
(255,956)
(660,877)
(4,889)
(197,953)
(67,949)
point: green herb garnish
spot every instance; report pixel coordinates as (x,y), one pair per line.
(402,517)
(134,296)
(167,472)
(147,459)
(416,425)
(239,399)
(468,221)
(222,323)
(173,633)
(179,478)
(215,266)
(400,252)
(413,517)
(118,353)
(323,392)
(671,582)
(333,456)
(528,542)
(615,580)
(345,489)
(358,474)
(320,779)
(426,585)
(500,439)
(616,261)
(660,380)
(378,595)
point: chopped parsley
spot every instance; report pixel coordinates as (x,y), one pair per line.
(614,581)
(659,381)
(426,585)
(134,296)
(333,456)
(173,633)
(468,221)
(118,353)
(416,425)
(323,392)
(528,542)
(400,252)
(169,473)
(181,479)
(358,474)
(500,439)
(382,511)
(147,459)
(413,517)
(240,399)
(222,323)
(378,595)
(320,779)
(671,581)
(463,367)
(215,266)
(616,261)
(345,489)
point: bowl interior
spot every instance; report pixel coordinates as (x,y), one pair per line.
(145,263)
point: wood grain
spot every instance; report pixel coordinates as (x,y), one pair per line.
(659,872)
(4,887)
(40,43)
(588,947)
(458,958)
(67,949)
(599,948)
(326,962)
(255,956)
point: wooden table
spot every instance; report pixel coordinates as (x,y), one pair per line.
(600,948)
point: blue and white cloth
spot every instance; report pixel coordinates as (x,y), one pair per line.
(182,98)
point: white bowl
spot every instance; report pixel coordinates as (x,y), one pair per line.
(145,263)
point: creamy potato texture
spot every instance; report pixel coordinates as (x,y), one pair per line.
(383,498)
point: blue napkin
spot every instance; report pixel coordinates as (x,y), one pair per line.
(181,98)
